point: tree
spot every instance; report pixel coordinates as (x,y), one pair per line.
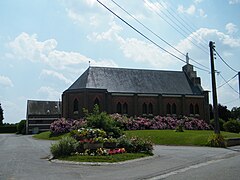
(235,112)
(223,112)
(1,115)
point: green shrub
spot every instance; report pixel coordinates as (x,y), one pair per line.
(64,147)
(103,121)
(8,129)
(216,140)
(135,145)
(232,126)
(21,127)
(221,122)
(179,129)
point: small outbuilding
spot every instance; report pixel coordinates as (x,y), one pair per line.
(40,114)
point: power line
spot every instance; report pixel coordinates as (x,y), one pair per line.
(187,28)
(234,100)
(191,25)
(141,33)
(228,84)
(203,49)
(157,35)
(225,62)
(227,81)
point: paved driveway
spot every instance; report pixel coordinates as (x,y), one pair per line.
(22,157)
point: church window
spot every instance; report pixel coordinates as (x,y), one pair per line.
(96,101)
(150,108)
(144,108)
(168,108)
(196,109)
(119,108)
(191,109)
(75,106)
(125,108)
(174,109)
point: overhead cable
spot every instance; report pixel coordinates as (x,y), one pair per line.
(203,49)
(157,35)
(142,33)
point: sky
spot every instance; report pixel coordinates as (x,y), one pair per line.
(46,45)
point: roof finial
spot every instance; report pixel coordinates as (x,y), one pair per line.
(187,59)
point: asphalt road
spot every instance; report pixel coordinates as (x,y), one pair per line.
(23,158)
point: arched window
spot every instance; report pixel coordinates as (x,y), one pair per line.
(75,105)
(196,109)
(191,109)
(144,108)
(169,109)
(125,108)
(150,108)
(119,108)
(96,101)
(174,109)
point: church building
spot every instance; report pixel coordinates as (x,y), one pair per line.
(137,92)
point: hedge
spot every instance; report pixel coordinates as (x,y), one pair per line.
(8,129)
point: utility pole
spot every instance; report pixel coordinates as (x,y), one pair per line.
(214,91)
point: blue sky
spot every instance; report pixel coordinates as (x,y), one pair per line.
(46,45)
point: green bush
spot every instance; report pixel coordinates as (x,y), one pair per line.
(103,121)
(21,127)
(64,147)
(216,140)
(221,122)
(232,126)
(8,129)
(135,145)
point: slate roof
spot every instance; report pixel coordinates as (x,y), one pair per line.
(43,107)
(136,81)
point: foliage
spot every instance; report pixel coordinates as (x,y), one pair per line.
(135,145)
(232,126)
(221,122)
(179,128)
(8,129)
(216,140)
(62,126)
(235,112)
(1,115)
(21,127)
(88,135)
(64,147)
(159,122)
(103,121)
(223,112)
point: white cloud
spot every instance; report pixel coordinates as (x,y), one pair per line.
(110,34)
(198,1)
(191,10)
(75,17)
(231,28)
(46,73)
(5,81)
(155,6)
(29,48)
(49,93)
(202,13)
(234,1)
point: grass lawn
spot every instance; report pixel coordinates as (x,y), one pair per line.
(47,136)
(163,137)
(170,137)
(109,159)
